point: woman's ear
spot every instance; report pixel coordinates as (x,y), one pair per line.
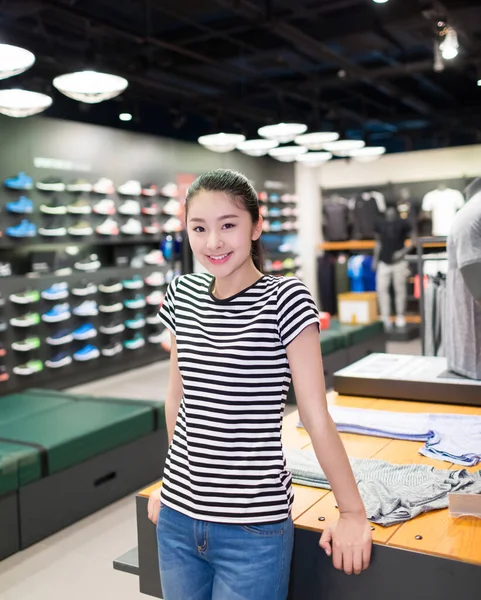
(257,230)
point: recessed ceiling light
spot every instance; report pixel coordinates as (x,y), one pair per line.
(21,103)
(282,132)
(14,60)
(90,86)
(125,117)
(221,142)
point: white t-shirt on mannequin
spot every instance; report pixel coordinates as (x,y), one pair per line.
(443,204)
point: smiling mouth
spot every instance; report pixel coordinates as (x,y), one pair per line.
(220,258)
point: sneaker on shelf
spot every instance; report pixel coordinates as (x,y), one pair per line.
(25,297)
(4,376)
(111,286)
(29,343)
(274,212)
(61,359)
(112,327)
(138,301)
(155,279)
(172,208)
(155,257)
(170,190)
(56,207)
(136,322)
(5,269)
(19,182)
(59,312)
(288,263)
(289,225)
(155,298)
(108,227)
(156,337)
(131,227)
(276,226)
(79,185)
(137,341)
(3,350)
(266,226)
(88,352)
(149,189)
(22,206)
(58,338)
(24,229)
(51,184)
(89,263)
(284,248)
(173,225)
(88,308)
(84,332)
(3,325)
(277,265)
(274,198)
(151,208)
(106,206)
(103,186)
(2,300)
(152,228)
(84,288)
(263,196)
(153,319)
(25,320)
(133,283)
(54,227)
(130,188)
(111,307)
(129,207)
(263,210)
(169,276)
(57,291)
(29,368)
(80,207)
(289,198)
(81,228)
(112,349)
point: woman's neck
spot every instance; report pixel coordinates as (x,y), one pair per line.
(242,278)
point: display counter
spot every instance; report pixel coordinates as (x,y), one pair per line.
(433,556)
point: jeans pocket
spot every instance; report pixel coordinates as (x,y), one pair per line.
(271,529)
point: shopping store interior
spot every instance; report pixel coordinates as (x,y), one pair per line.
(358,123)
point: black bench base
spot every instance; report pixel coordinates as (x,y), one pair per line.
(9,532)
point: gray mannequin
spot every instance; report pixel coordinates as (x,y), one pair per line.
(463,335)
(389,254)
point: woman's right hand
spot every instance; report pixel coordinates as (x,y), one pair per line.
(153,507)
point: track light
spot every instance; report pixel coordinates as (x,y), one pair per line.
(450,46)
(125,116)
(380,1)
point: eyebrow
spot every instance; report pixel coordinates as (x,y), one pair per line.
(196,220)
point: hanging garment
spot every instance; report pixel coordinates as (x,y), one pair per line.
(391,493)
(365,215)
(326,284)
(336,221)
(443,204)
(341,275)
(449,437)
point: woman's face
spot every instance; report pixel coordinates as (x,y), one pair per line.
(220,232)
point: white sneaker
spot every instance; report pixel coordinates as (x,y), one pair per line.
(132,227)
(108,227)
(104,186)
(155,279)
(387,324)
(152,228)
(155,298)
(111,308)
(88,308)
(104,207)
(79,185)
(172,208)
(155,257)
(129,207)
(172,225)
(130,188)
(170,190)
(153,319)
(400,321)
(156,338)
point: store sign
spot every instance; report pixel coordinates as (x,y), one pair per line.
(60,164)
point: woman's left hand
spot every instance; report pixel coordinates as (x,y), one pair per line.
(349,542)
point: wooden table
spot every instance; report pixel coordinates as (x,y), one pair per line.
(430,557)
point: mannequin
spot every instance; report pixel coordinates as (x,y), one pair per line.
(442,204)
(463,335)
(389,254)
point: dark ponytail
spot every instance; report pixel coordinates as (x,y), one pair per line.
(239,188)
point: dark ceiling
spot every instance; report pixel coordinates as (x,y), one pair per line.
(199,66)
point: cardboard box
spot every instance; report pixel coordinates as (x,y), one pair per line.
(357,308)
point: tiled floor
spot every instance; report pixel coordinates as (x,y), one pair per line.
(76,564)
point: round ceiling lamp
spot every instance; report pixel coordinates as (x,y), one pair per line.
(282,132)
(287,153)
(21,103)
(257,147)
(316,140)
(90,86)
(367,154)
(314,159)
(221,142)
(344,147)
(14,60)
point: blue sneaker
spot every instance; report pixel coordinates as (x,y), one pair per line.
(63,336)
(135,342)
(57,291)
(19,182)
(60,312)
(136,322)
(22,230)
(22,206)
(85,332)
(61,359)
(88,352)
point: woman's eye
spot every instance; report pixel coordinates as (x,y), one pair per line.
(198,229)
(229,225)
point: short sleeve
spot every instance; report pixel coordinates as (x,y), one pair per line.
(459,200)
(296,309)
(428,202)
(167,310)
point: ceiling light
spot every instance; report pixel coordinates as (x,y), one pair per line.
(314,159)
(367,151)
(343,147)
(90,86)
(125,117)
(14,60)
(257,147)
(282,132)
(450,46)
(287,153)
(21,103)
(380,1)
(479,82)
(221,142)
(316,141)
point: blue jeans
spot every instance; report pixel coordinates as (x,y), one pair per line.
(200,560)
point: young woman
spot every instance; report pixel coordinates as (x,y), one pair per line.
(223,515)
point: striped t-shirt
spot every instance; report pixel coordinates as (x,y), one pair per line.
(225,463)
